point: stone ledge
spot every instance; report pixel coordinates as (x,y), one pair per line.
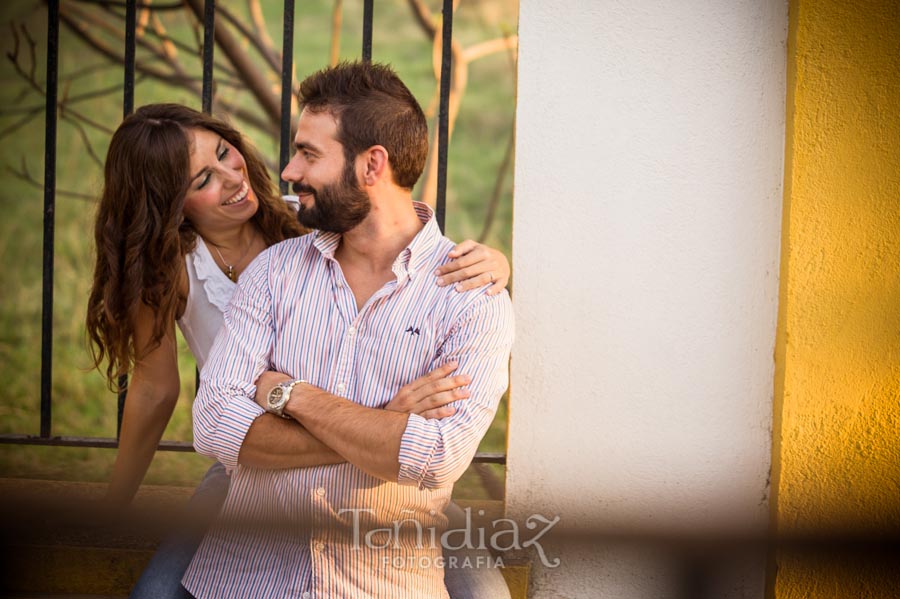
(82,552)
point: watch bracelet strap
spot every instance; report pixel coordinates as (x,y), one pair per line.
(287,388)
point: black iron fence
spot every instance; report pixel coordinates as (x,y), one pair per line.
(209,11)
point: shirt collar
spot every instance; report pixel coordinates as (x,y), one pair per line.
(412,258)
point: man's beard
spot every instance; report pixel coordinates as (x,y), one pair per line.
(337,207)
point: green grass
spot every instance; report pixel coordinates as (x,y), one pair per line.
(82,405)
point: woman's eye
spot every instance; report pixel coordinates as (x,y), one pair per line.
(223,153)
(204,182)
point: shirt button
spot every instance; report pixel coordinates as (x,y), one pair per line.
(320,547)
(341,387)
(351,331)
(320,491)
(306,595)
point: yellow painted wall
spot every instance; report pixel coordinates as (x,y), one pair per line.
(837,458)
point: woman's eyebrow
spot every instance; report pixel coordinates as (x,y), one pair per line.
(218,147)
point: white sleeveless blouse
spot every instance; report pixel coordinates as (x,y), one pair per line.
(209,292)
(208,295)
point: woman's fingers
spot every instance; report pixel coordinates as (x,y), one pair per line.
(477,265)
(497,287)
(464,254)
(462,248)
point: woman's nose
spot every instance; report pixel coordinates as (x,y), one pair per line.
(233,177)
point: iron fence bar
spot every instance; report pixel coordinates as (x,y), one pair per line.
(184,446)
(368,10)
(101,442)
(49,217)
(209,43)
(287,65)
(130,27)
(127,109)
(443,114)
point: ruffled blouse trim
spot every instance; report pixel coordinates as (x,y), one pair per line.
(218,287)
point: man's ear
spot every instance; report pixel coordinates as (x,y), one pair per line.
(376,164)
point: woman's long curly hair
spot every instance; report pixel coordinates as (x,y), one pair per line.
(141,234)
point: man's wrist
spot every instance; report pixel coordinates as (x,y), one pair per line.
(301,395)
(279,396)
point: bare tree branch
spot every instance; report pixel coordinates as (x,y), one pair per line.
(423,17)
(247,71)
(84,138)
(272,58)
(337,17)
(260,36)
(122,4)
(26,176)
(169,45)
(22,122)
(458,81)
(178,78)
(165,52)
(483,49)
(497,193)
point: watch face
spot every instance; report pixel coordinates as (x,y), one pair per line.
(275,395)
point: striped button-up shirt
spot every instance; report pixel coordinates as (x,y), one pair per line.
(295,313)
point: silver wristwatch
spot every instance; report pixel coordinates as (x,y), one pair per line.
(279,396)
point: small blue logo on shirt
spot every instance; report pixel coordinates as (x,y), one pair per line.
(412,331)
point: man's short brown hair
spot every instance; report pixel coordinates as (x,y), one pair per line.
(372,107)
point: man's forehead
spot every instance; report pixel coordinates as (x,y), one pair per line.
(316,127)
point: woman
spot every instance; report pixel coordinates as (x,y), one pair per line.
(170,248)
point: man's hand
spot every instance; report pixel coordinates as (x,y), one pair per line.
(429,394)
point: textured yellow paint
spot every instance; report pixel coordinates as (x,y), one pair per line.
(837,459)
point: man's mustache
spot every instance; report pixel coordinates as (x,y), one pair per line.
(300,188)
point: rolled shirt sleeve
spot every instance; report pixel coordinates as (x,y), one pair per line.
(435,453)
(225,407)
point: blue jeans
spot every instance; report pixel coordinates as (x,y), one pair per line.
(161,578)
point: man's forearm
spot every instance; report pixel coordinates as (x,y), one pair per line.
(366,437)
(274,442)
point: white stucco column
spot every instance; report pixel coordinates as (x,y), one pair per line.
(648,192)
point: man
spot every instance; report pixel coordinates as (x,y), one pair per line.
(349,314)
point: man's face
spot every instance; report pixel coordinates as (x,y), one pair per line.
(326,184)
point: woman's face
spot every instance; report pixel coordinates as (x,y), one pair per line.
(219,195)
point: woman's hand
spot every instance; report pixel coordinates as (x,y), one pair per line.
(429,395)
(265,383)
(474,265)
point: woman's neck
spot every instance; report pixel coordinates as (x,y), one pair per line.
(233,241)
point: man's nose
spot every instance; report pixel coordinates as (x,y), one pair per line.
(292,172)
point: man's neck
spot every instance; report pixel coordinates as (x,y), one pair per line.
(375,243)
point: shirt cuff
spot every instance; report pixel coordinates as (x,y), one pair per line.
(234,422)
(417,446)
